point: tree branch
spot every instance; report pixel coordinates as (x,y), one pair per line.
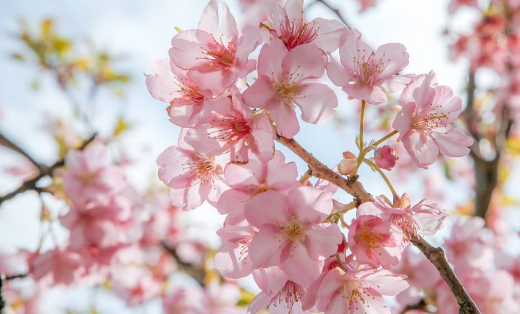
(353,187)
(336,11)
(31,185)
(197,273)
(4,141)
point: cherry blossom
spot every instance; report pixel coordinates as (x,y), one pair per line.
(288,24)
(358,291)
(188,104)
(375,242)
(291,232)
(424,121)
(247,181)
(425,218)
(215,57)
(61,266)
(385,157)
(236,130)
(283,77)
(193,177)
(367,75)
(232,259)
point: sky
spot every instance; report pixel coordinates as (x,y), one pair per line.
(140,31)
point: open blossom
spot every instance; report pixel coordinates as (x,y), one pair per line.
(425,218)
(282,82)
(235,130)
(64,267)
(279,294)
(291,233)
(92,175)
(424,121)
(215,57)
(219,298)
(358,291)
(188,104)
(367,75)
(192,177)
(375,242)
(232,259)
(247,181)
(289,25)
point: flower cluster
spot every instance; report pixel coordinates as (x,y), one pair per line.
(282,230)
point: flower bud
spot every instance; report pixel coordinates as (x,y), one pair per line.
(385,157)
(347,164)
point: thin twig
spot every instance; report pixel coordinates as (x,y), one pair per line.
(336,11)
(197,273)
(435,255)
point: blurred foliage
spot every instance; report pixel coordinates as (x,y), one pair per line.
(53,52)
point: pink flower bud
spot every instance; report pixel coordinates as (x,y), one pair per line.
(347,164)
(385,157)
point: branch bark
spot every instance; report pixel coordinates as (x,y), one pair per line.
(4,141)
(197,273)
(353,187)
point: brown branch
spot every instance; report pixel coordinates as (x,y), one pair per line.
(4,141)
(197,273)
(31,184)
(356,189)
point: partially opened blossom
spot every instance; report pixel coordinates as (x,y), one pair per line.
(425,218)
(291,233)
(92,174)
(279,294)
(61,266)
(232,259)
(283,80)
(246,181)
(385,157)
(425,121)
(188,104)
(236,130)
(215,56)
(358,291)
(375,242)
(289,25)
(367,75)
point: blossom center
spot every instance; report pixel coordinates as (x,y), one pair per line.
(219,56)
(230,129)
(297,32)
(290,294)
(367,70)
(294,231)
(203,169)
(190,92)
(287,88)
(354,292)
(369,238)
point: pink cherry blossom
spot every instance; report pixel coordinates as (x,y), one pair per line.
(367,75)
(375,242)
(283,81)
(214,56)
(63,267)
(456,4)
(424,121)
(219,299)
(279,294)
(385,157)
(232,259)
(135,285)
(288,24)
(236,130)
(291,233)
(192,177)
(182,301)
(188,104)
(425,218)
(358,291)
(256,177)
(92,174)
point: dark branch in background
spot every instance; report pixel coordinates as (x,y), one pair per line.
(2,280)
(4,141)
(353,187)
(336,11)
(197,273)
(31,185)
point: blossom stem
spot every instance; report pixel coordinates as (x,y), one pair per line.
(340,262)
(306,176)
(384,138)
(362,152)
(382,174)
